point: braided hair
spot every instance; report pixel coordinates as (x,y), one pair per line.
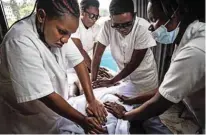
(55,8)
(85,4)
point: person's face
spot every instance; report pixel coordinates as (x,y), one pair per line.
(157,18)
(90,16)
(58,30)
(123,23)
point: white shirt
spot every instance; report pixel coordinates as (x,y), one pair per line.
(186,73)
(145,77)
(29,71)
(87,36)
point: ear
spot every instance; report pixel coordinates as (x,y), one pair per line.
(41,15)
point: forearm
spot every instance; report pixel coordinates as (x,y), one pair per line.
(96,60)
(87,59)
(95,68)
(79,45)
(143,97)
(56,103)
(129,68)
(153,107)
(85,81)
(136,59)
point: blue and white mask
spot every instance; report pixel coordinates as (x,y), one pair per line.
(162,36)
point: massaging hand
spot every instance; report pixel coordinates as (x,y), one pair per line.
(115,109)
(124,99)
(103,83)
(104,73)
(97,110)
(92,126)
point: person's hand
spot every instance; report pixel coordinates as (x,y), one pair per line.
(103,83)
(104,73)
(124,99)
(92,126)
(115,109)
(97,110)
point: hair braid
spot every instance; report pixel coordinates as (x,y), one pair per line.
(57,8)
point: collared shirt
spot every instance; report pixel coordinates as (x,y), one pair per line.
(87,36)
(186,73)
(145,77)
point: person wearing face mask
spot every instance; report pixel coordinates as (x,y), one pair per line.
(176,22)
(35,54)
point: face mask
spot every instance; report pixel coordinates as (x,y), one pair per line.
(162,36)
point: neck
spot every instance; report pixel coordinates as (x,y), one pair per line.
(84,24)
(40,32)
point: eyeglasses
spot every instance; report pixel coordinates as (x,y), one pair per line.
(92,16)
(122,25)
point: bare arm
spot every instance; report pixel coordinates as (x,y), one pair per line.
(87,59)
(139,99)
(61,107)
(96,60)
(137,57)
(95,107)
(153,107)
(85,81)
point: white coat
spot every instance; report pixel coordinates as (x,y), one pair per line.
(29,71)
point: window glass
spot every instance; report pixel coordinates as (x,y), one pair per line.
(17,9)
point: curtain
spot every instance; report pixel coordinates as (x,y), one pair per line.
(162,53)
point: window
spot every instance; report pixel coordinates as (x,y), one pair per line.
(17,9)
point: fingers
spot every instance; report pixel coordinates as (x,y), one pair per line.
(104,69)
(99,117)
(98,128)
(119,96)
(96,121)
(103,114)
(95,85)
(89,112)
(109,105)
(116,84)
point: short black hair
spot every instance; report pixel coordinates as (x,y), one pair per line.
(55,8)
(85,4)
(190,7)
(121,6)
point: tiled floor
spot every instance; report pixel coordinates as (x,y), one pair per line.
(178,125)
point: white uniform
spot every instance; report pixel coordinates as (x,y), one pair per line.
(87,36)
(145,77)
(187,69)
(29,71)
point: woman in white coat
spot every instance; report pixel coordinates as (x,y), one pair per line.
(34,57)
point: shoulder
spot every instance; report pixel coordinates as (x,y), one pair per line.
(192,53)
(141,22)
(107,24)
(21,31)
